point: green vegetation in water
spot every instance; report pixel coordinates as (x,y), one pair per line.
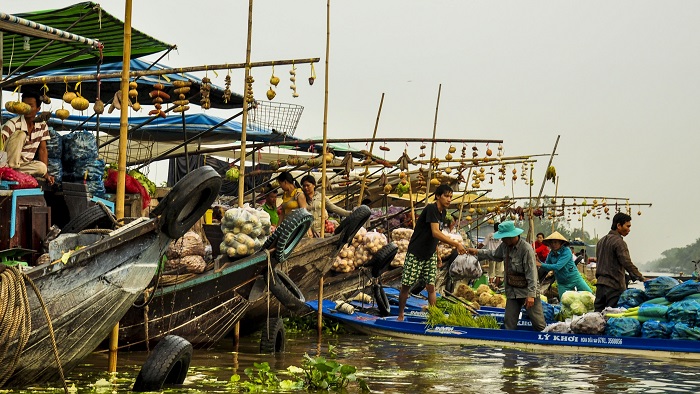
(308,323)
(316,373)
(449,314)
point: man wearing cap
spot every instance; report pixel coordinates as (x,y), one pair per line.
(561,260)
(521,285)
(421,259)
(613,259)
(270,206)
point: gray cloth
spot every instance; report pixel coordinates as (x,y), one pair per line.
(521,258)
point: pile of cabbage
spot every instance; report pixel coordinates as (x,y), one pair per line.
(576,303)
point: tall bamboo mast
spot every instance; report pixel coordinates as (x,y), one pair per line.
(539,195)
(371,147)
(244,119)
(432,148)
(121,158)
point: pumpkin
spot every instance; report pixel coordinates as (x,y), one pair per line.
(80,103)
(69,96)
(62,114)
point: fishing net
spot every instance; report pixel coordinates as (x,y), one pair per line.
(268,116)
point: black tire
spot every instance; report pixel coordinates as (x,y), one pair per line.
(287,292)
(274,340)
(292,229)
(417,287)
(94,217)
(352,224)
(382,258)
(270,240)
(381,299)
(167,364)
(188,200)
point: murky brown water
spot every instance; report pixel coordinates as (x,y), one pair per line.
(391,366)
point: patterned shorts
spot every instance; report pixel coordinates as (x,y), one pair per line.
(414,269)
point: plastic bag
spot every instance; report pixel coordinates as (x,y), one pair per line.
(623,327)
(190,244)
(590,323)
(683,290)
(559,327)
(631,298)
(658,287)
(54,145)
(612,311)
(23,180)
(657,329)
(375,241)
(465,266)
(79,146)
(685,311)
(131,186)
(684,331)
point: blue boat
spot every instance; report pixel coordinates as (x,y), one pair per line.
(415,329)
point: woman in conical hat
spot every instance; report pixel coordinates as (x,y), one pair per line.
(561,261)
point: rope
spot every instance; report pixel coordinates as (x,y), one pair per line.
(15,320)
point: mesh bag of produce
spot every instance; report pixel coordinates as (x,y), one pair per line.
(631,298)
(79,146)
(190,244)
(657,329)
(683,290)
(131,186)
(23,180)
(685,311)
(589,323)
(559,327)
(465,266)
(375,241)
(55,168)
(685,331)
(623,327)
(54,145)
(658,287)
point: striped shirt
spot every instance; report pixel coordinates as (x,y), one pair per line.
(31,143)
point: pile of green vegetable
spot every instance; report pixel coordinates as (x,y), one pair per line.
(446,313)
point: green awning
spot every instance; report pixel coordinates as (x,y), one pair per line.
(93,23)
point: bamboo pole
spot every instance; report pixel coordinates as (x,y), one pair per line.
(164,71)
(121,160)
(244,118)
(410,197)
(556,190)
(371,147)
(544,178)
(319,317)
(432,147)
(325,119)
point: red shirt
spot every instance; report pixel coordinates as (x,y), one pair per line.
(541,250)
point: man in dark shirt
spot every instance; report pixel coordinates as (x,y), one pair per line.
(421,260)
(613,259)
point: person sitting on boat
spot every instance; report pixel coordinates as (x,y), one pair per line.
(421,260)
(521,285)
(313,201)
(293,197)
(613,259)
(270,205)
(541,249)
(561,261)
(24,140)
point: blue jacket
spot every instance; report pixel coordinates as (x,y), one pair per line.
(562,263)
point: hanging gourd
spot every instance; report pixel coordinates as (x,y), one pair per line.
(227,87)
(312,78)
(158,96)
(44,98)
(293,79)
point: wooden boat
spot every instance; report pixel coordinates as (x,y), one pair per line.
(415,329)
(204,307)
(87,293)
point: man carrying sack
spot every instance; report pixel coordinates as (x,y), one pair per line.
(521,285)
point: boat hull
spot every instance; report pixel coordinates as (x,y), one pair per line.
(417,330)
(85,298)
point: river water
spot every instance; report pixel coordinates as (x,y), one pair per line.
(391,366)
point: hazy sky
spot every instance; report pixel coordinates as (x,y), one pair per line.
(619,82)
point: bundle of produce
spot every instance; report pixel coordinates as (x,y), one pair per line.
(685,331)
(401,237)
(344,261)
(465,266)
(657,329)
(23,180)
(623,327)
(148,184)
(54,145)
(483,289)
(131,186)
(186,254)
(55,168)
(466,292)
(559,328)
(443,249)
(374,241)
(245,231)
(685,311)
(330,226)
(576,303)
(79,146)
(457,315)
(612,311)
(590,323)
(489,299)
(631,298)
(683,290)
(659,286)
(644,312)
